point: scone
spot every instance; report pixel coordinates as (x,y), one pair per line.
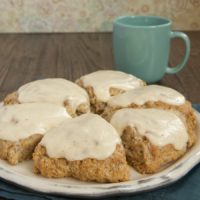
(103,84)
(86,147)
(22,127)
(152,138)
(53,90)
(155,96)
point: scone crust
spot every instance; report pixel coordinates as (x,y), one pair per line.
(145,157)
(11,98)
(112,169)
(15,152)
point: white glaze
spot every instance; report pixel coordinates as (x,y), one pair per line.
(23,120)
(86,136)
(53,90)
(144,94)
(159,126)
(103,80)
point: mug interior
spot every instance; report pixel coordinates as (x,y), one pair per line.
(145,21)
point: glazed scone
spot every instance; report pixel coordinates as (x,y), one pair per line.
(152,138)
(22,126)
(52,90)
(86,147)
(155,96)
(103,84)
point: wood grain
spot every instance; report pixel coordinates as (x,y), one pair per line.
(27,57)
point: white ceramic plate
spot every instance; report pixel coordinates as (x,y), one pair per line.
(22,175)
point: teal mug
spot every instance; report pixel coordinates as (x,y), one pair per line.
(141,46)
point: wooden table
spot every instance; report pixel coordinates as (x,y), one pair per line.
(26,57)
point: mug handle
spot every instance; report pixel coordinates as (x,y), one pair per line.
(186,41)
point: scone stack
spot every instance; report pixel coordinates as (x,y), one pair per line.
(95,128)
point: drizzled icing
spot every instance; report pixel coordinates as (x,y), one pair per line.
(159,126)
(103,80)
(23,120)
(53,90)
(144,94)
(86,136)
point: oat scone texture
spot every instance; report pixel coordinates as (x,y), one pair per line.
(113,169)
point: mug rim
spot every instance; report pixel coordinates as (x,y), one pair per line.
(117,21)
